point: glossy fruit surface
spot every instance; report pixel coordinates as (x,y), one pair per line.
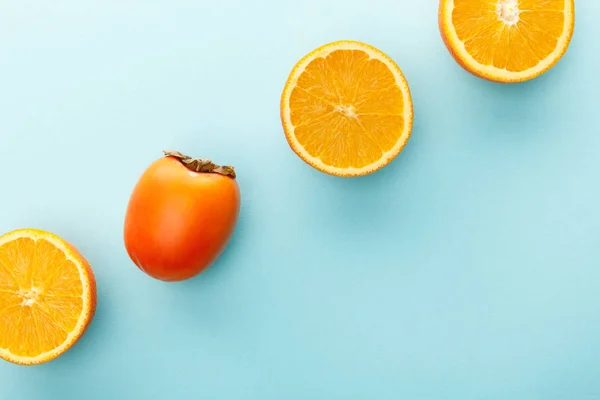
(346,109)
(47,296)
(180,216)
(507,40)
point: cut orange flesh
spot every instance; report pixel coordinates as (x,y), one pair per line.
(346,109)
(507,40)
(47,296)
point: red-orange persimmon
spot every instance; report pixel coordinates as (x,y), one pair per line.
(180,216)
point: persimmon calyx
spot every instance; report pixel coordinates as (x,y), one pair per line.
(201,164)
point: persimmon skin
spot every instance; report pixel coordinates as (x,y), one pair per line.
(178,221)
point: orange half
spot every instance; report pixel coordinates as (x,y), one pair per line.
(47,296)
(507,40)
(346,109)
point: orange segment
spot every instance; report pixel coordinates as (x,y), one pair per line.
(47,296)
(507,40)
(346,109)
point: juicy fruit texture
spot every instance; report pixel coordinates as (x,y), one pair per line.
(47,296)
(346,109)
(178,220)
(507,40)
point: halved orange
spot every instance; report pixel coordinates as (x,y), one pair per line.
(47,296)
(346,109)
(507,41)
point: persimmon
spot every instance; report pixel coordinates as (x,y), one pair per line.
(181,216)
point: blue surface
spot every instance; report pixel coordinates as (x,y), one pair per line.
(466,269)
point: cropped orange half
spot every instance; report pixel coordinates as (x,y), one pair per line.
(507,40)
(346,109)
(47,296)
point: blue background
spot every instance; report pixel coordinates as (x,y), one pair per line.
(466,269)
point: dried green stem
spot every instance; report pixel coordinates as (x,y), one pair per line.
(201,164)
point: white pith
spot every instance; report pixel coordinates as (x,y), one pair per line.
(508,11)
